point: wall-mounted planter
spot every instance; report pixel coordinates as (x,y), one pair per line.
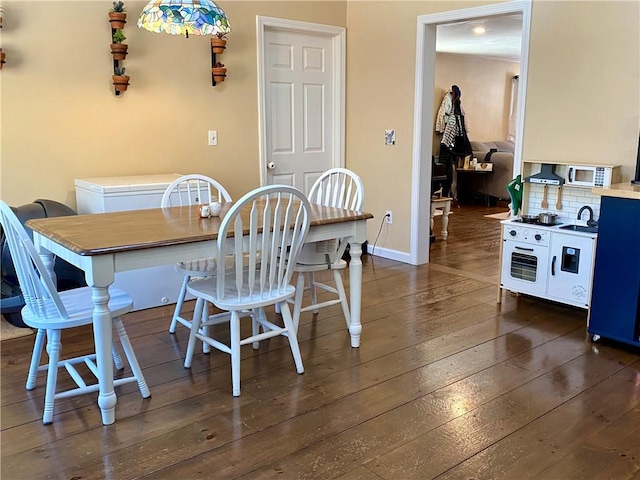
(2,54)
(117,15)
(117,19)
(219,72)
(120,82)
(218,44)
(119,51)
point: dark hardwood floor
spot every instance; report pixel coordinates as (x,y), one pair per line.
(446,384)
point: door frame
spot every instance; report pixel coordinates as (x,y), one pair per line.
(338,36)
(423,121)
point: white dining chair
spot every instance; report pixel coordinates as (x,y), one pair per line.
(50,311)
(338,188)
(254,232)
(192,189)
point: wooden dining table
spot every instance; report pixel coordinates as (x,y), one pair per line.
(103,244)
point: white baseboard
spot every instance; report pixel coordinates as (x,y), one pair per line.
(390,254)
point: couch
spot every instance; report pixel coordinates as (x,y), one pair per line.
(496,184)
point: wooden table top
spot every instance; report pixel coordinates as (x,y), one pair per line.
(103,233)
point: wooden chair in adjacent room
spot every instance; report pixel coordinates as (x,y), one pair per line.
(254,232)
(51,312)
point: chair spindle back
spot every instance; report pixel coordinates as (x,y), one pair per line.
(261,225)
(338,188)
(39,292)
(194,189)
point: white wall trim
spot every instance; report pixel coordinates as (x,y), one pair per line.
(390,254)
(338,34)
(423,108)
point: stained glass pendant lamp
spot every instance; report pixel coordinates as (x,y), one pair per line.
(185,17)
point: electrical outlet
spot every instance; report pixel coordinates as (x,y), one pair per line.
(213,138)
(389,217)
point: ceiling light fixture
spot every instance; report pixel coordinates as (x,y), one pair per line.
(479,30)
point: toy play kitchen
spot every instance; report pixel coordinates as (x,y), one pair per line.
(591,262)
(550,254)
(548,260)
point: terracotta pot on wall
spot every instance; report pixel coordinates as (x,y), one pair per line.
(219,74)
(117,19)
(119,51)
(120,82)
(218,45)
(2,57)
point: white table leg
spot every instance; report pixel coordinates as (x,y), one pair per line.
(355,285)
(102,325)
(49,263)
(99,275)
(445,218)
(433,214)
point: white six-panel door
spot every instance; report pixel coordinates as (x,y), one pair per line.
(302,111)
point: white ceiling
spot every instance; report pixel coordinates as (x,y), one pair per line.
(501,39)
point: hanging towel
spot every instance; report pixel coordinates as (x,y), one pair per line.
(444,112)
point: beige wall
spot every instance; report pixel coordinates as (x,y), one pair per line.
(582,105)
(486,93)
(61,120)
(380,95)
(583,93)
(583,97)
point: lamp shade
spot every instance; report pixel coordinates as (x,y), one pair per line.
(184,17)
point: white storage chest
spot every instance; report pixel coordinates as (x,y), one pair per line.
(116,194)
(149,287)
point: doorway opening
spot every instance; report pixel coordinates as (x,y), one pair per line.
(424,107)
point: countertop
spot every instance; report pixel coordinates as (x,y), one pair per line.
(620,190)
(511,222)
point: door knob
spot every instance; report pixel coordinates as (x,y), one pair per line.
(271,165)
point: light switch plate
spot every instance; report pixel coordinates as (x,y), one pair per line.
(213,138)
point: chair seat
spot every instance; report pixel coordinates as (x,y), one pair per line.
(303,268)
(206,288)
(79,307)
